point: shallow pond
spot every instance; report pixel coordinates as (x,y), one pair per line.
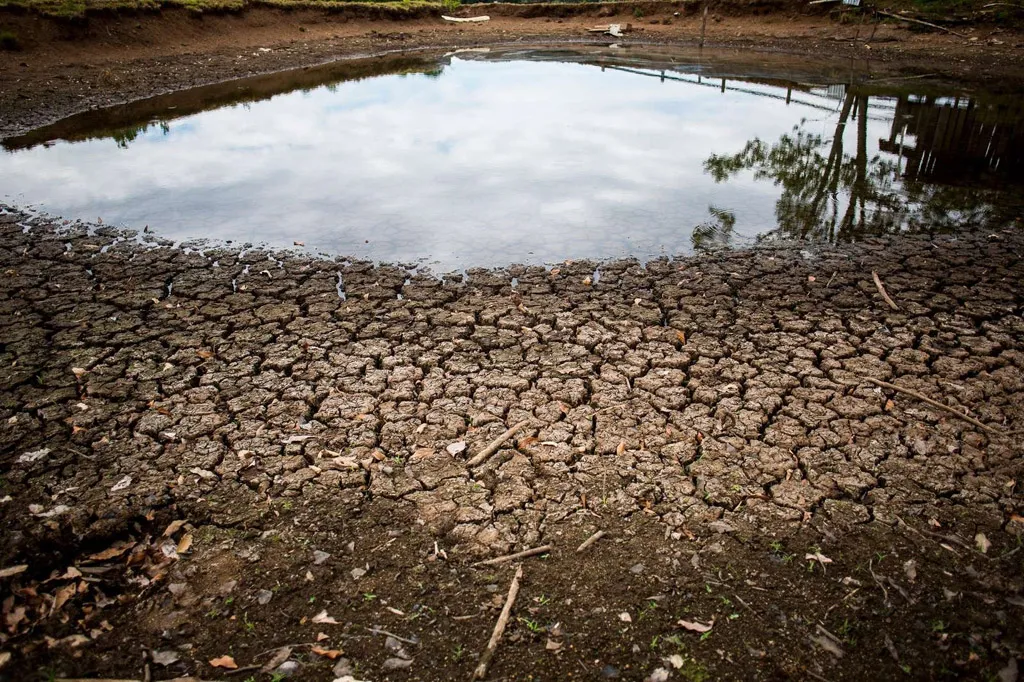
(485,158)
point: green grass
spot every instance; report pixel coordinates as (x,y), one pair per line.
(9,41)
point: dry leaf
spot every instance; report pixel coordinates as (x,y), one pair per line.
(587,281)
(889,404)
(553,645)
(224,662)
(326,653)
(621,448)
(696,626)
(321,636)
(78,372)
(61,597)
(681,336)
(982,542)
(13,570)
(121,485)
(322,617)
(277,659)
(204,354)
(115,550)
(174,527)
(185,544)
(5,658)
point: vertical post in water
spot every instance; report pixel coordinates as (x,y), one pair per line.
(703,25)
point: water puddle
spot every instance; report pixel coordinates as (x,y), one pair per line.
(485,158)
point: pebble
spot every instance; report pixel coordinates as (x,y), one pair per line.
(263,597)
(320,557)
(610,672)
(396,664)
(287,669)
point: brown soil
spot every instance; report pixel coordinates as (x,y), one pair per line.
(68,67)
(711,414)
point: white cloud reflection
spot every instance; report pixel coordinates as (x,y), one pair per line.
(489,164)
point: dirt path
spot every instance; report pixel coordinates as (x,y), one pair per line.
(108,60)
(216,455)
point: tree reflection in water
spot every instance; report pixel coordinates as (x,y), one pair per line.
(962,153)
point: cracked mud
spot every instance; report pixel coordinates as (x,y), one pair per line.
(311,422)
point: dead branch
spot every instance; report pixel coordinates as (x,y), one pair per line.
(484,454)
(933,403)
(591,540)
(499,627)
(518,555)
(918,21)
(881,290)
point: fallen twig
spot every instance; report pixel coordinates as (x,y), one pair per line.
(378,631)
(881,290)
(933,403)
(484,454)
(918,21)
(591,540)
(878,581)
(499,627)
(518,555)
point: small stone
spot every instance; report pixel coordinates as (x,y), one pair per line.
(396,664)
(357,573)
(637,569)
(659,675)
(320,557)
(610,672)
(263,597)
(343,668)
(287,669)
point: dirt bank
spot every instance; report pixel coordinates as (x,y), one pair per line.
(219,454)
(65,68)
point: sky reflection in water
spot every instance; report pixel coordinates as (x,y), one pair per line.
(496,162)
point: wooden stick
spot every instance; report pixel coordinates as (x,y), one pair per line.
(703,25)
(933,403)
(881,290)
(495,444)
(918,21)
(591,540)
(518,555)
(499,628)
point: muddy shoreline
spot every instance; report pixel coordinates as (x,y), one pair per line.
(115,59)
(711,413)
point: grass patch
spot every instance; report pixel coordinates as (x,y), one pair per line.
(9,41)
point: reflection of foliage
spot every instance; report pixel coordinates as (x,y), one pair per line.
(817,177)
(124,136)
(716,232)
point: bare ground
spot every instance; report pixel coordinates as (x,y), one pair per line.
(712,414)
(203,452)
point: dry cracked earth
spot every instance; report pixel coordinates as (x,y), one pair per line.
(209,454)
